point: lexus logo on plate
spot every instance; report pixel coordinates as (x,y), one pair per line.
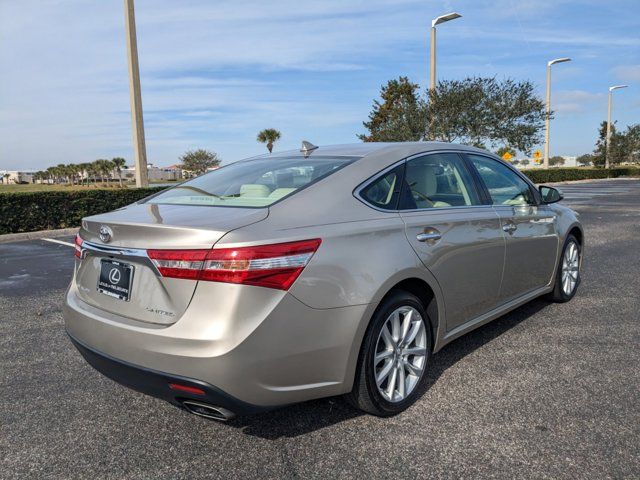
(105,234)
(114,276)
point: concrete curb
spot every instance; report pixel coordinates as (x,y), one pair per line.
(23,237)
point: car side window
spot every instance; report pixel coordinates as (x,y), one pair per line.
(437,180)
(385,190)
(505,186)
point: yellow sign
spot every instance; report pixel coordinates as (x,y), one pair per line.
(507,156)
(537,154)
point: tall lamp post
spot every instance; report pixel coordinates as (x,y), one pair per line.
(611,89)
(140,150)
(548,116)
(434,22)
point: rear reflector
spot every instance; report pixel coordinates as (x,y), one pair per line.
(186,389)
(273,266)
(78,247)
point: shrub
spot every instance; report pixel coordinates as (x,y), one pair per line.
(32,211)
(568,174)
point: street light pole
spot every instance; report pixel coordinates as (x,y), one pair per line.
(432,60)
(140,151)
(609,106)
(548,115)
(432,63)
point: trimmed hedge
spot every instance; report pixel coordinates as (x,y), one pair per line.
(550,175)
(32,211)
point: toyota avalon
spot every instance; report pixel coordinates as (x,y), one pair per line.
(337,270)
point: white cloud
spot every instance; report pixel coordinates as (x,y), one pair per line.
(566,102)
(627,73)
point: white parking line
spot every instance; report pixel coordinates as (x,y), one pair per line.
(53,240)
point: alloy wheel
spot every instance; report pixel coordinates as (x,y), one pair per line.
(570,268)
(401,352)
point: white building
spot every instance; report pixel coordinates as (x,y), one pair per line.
(155,174)
(15,176)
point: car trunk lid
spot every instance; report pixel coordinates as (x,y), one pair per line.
(120,253)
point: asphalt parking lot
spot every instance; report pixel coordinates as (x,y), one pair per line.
(547,391)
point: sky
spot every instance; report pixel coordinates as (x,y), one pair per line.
(214,73)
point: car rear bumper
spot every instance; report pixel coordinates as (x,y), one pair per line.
(157,384)
(272,352)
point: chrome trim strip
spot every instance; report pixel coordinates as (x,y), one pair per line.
(138,255)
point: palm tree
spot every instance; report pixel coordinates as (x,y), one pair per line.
(83,173)
(119,164)
(51,173)
(5,178)
(269,136)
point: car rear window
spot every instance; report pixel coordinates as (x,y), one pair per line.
(252,183)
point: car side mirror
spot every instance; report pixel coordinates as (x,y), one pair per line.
(550,194)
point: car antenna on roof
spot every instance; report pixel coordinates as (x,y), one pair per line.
(307,148)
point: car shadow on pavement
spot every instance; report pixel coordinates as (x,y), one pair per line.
(314,415)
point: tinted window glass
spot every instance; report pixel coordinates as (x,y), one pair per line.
(437,181)
(384,192)
(252,183)
(505,186)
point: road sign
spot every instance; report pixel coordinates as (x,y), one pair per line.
(507,156)
(537,154)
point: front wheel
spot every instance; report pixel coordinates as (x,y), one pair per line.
(568,274)
(394,357)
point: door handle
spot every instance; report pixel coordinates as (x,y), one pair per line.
(432,236)
(510,227)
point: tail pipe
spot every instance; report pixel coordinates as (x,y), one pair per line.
(208,411)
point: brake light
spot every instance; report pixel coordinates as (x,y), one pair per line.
(78,246)
(273,266)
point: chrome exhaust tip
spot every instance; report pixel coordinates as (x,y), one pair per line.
(208,411)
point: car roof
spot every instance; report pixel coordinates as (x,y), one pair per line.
(367,148)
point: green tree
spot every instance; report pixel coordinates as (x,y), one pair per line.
(525,162)
(119,163)
(269,136)
(198,161)
(475,111)
(631,144)
(5,178)
(484,110)
(618,147)
(398,116)
(556,161)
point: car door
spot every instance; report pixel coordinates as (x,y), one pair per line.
(458,239)
(530,228)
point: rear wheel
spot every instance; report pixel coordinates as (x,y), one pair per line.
(568,274)
(394,357)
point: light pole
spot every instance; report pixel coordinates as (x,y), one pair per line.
(548,116)
(434,22)
(139,148)
(611,89)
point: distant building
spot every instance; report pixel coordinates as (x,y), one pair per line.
(155,174)
(16,176)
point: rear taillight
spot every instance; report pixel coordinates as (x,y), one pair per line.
(272,266)
(78,247)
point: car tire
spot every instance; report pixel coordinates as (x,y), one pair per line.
(560,293)
(366,394)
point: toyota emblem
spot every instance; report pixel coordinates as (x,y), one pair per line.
(105,234)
